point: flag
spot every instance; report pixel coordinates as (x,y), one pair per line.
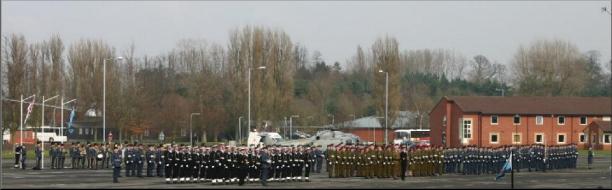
(506,168)
(30,107)
(71,119)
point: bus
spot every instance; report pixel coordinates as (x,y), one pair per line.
(412,136)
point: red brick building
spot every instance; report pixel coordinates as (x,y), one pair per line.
(491,121)
(600,135)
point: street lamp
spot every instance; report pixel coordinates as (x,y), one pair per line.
(500,89)
(386,103)
(191,128)
(240,129)
(291,125)
(21,116)
(104,97)
(333,118)
(62,115)
(249,88)
(42,125)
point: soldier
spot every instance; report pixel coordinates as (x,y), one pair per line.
(150,158)
(52,153)
(309,159)
(319,156)
(82,155)
(23,156)
(265,164)
(116,158)
(38,153)
(159,161)
(17,155)
(138,160)
(61,156)
(129,161)
(73,157)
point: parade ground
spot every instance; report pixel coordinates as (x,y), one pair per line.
(598,177)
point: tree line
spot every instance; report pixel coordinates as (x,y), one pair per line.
(159,92)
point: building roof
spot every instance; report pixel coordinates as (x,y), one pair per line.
(403,120)
(534,105)
(605,126)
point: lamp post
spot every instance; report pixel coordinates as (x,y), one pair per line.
(502,91)
(333,118)
(291,126)
(240,129)
(386,103)
(21,117)
(352,122)
(249,88)
(62,115)
(191,128)
(104,97)
(42,125)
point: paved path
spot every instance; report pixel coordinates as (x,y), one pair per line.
(599,177)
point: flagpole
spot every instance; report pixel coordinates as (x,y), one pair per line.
(512,170)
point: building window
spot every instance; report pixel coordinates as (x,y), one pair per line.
(561,120)
(560,138)
(582,138)
(494,138)
(183,132)
(606,118)
(146,132)
(86,131)
(539,120)
(467,129)
(539,138)
(80,131)
(517,120)
(606,138)
(583,120)
(516,138)
(494,119)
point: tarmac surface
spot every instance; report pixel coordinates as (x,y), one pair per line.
(598,177)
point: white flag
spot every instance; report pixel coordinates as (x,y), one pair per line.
(30,107)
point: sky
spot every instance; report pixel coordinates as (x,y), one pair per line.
(493,29)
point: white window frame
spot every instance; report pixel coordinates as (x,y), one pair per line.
(183,132)
(86,131)
(580,135)
(586,120)
(564,138)
(559,118)
(541,119)
(535,138)
(605,118)
(146,132)
(491,136)
(520,135)
(496,116)
(466,130)
(603,138)
(519,123)
(80,131)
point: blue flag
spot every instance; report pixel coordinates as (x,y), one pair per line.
(506,168)
(72,115)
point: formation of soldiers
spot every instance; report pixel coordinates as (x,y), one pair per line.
(222,164)
(90,156)
(380,161)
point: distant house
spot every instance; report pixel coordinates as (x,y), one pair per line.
(494,121)
(371,128)
(600,135)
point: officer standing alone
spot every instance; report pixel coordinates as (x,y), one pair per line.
(116,158)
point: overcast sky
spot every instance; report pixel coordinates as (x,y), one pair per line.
(493,29)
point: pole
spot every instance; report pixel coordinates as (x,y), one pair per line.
(290,127)
(512,171)
(21,121)
(62,118)
(249,88)
(386,106)
(104,101)
(240,129)
(191,130)
(42,125)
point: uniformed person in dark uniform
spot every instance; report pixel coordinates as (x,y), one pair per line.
(61,156)
(38,153)
(129,161)
(53,155)
(403,162)
(23,156)
(116,162)
(150,156)
(159,161)
(139,160)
